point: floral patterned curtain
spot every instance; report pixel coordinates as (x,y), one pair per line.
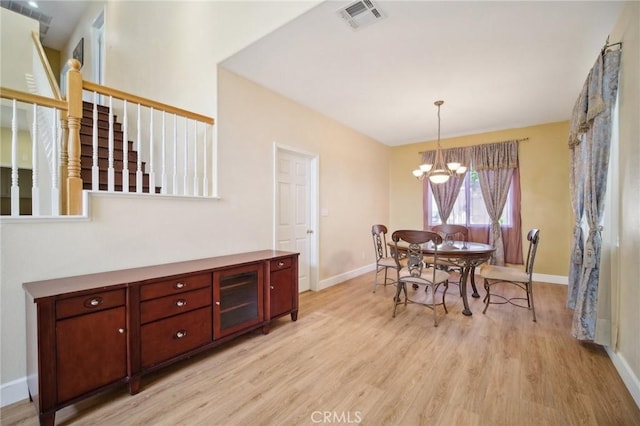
(495,164)
(589,140)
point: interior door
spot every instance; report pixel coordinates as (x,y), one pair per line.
(294,231)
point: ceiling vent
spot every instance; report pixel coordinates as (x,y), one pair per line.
(361,13)
(23,8)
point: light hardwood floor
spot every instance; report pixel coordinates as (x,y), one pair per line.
(346,361)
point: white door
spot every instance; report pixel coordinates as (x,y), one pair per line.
(293,216)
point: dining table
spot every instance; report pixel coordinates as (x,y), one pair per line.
(465,254)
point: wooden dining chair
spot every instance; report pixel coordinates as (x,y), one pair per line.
(383,261)
(494,275)
(450,232)
(414,272)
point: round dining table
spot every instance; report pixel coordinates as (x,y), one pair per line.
(465,254)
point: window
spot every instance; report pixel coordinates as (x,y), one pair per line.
(469,208)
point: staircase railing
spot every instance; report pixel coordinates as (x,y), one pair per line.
(173,151)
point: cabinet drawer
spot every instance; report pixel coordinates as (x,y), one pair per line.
(164,339)
(89,303)
(167,306)
(280,264)
(175,285)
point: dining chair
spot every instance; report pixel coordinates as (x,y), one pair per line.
(383,260)
(413,270)
(450,232)
(493,275)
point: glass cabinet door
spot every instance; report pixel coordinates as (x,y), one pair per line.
(238,298)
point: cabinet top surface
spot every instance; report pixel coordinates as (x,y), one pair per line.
(58,286)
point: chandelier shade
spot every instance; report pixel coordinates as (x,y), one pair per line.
(439,171)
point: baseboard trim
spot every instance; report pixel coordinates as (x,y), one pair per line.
(13,391)
(337,279)
(551,279)
(631,381)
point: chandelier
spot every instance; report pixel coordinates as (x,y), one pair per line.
(438,172)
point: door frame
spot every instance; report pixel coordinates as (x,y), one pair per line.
(313,204)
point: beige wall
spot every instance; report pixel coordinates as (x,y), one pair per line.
(544,179)
(24,148)
(353,168)
(627,298)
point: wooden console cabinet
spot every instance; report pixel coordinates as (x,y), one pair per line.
(89,333)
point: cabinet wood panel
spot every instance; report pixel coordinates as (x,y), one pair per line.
(89,303)
(91,352)
(164,339)
(175,304)
(175,285)
(281,292)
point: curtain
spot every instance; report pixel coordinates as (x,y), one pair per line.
(446,193)
(495,164)
(511,235)
(591,127)
(576,192)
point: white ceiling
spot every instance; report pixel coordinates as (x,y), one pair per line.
(497,65)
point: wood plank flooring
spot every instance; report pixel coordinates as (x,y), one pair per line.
(347,361)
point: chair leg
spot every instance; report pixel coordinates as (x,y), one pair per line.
(487,298)
(433,305)
(444,293)
(375,280)
(385,276)
(530,295)
(396,298)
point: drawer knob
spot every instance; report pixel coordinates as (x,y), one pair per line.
(218,303)
(92,303)
(182,333)
(180,303)
(271,287)
(180,285)
(121,330)
(280,264)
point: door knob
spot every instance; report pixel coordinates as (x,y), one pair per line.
(309,231)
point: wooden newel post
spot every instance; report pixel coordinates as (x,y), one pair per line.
(74,99)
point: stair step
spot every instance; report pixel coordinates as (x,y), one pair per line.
(118,188)
(103,164)
(103,152)
(102,132)
(86,151)
(117,177)
(87,139)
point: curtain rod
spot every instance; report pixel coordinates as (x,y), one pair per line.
(485,143)
(608,45)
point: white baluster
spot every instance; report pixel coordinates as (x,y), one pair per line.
(205,182)
(139,149)
(95,168)
(152,172)
(35,191)
(125,150)
(214,163)
(111,174)
(174,187)
(15,189)
(186,156)
(163,190)
(55,187)
(196,190)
